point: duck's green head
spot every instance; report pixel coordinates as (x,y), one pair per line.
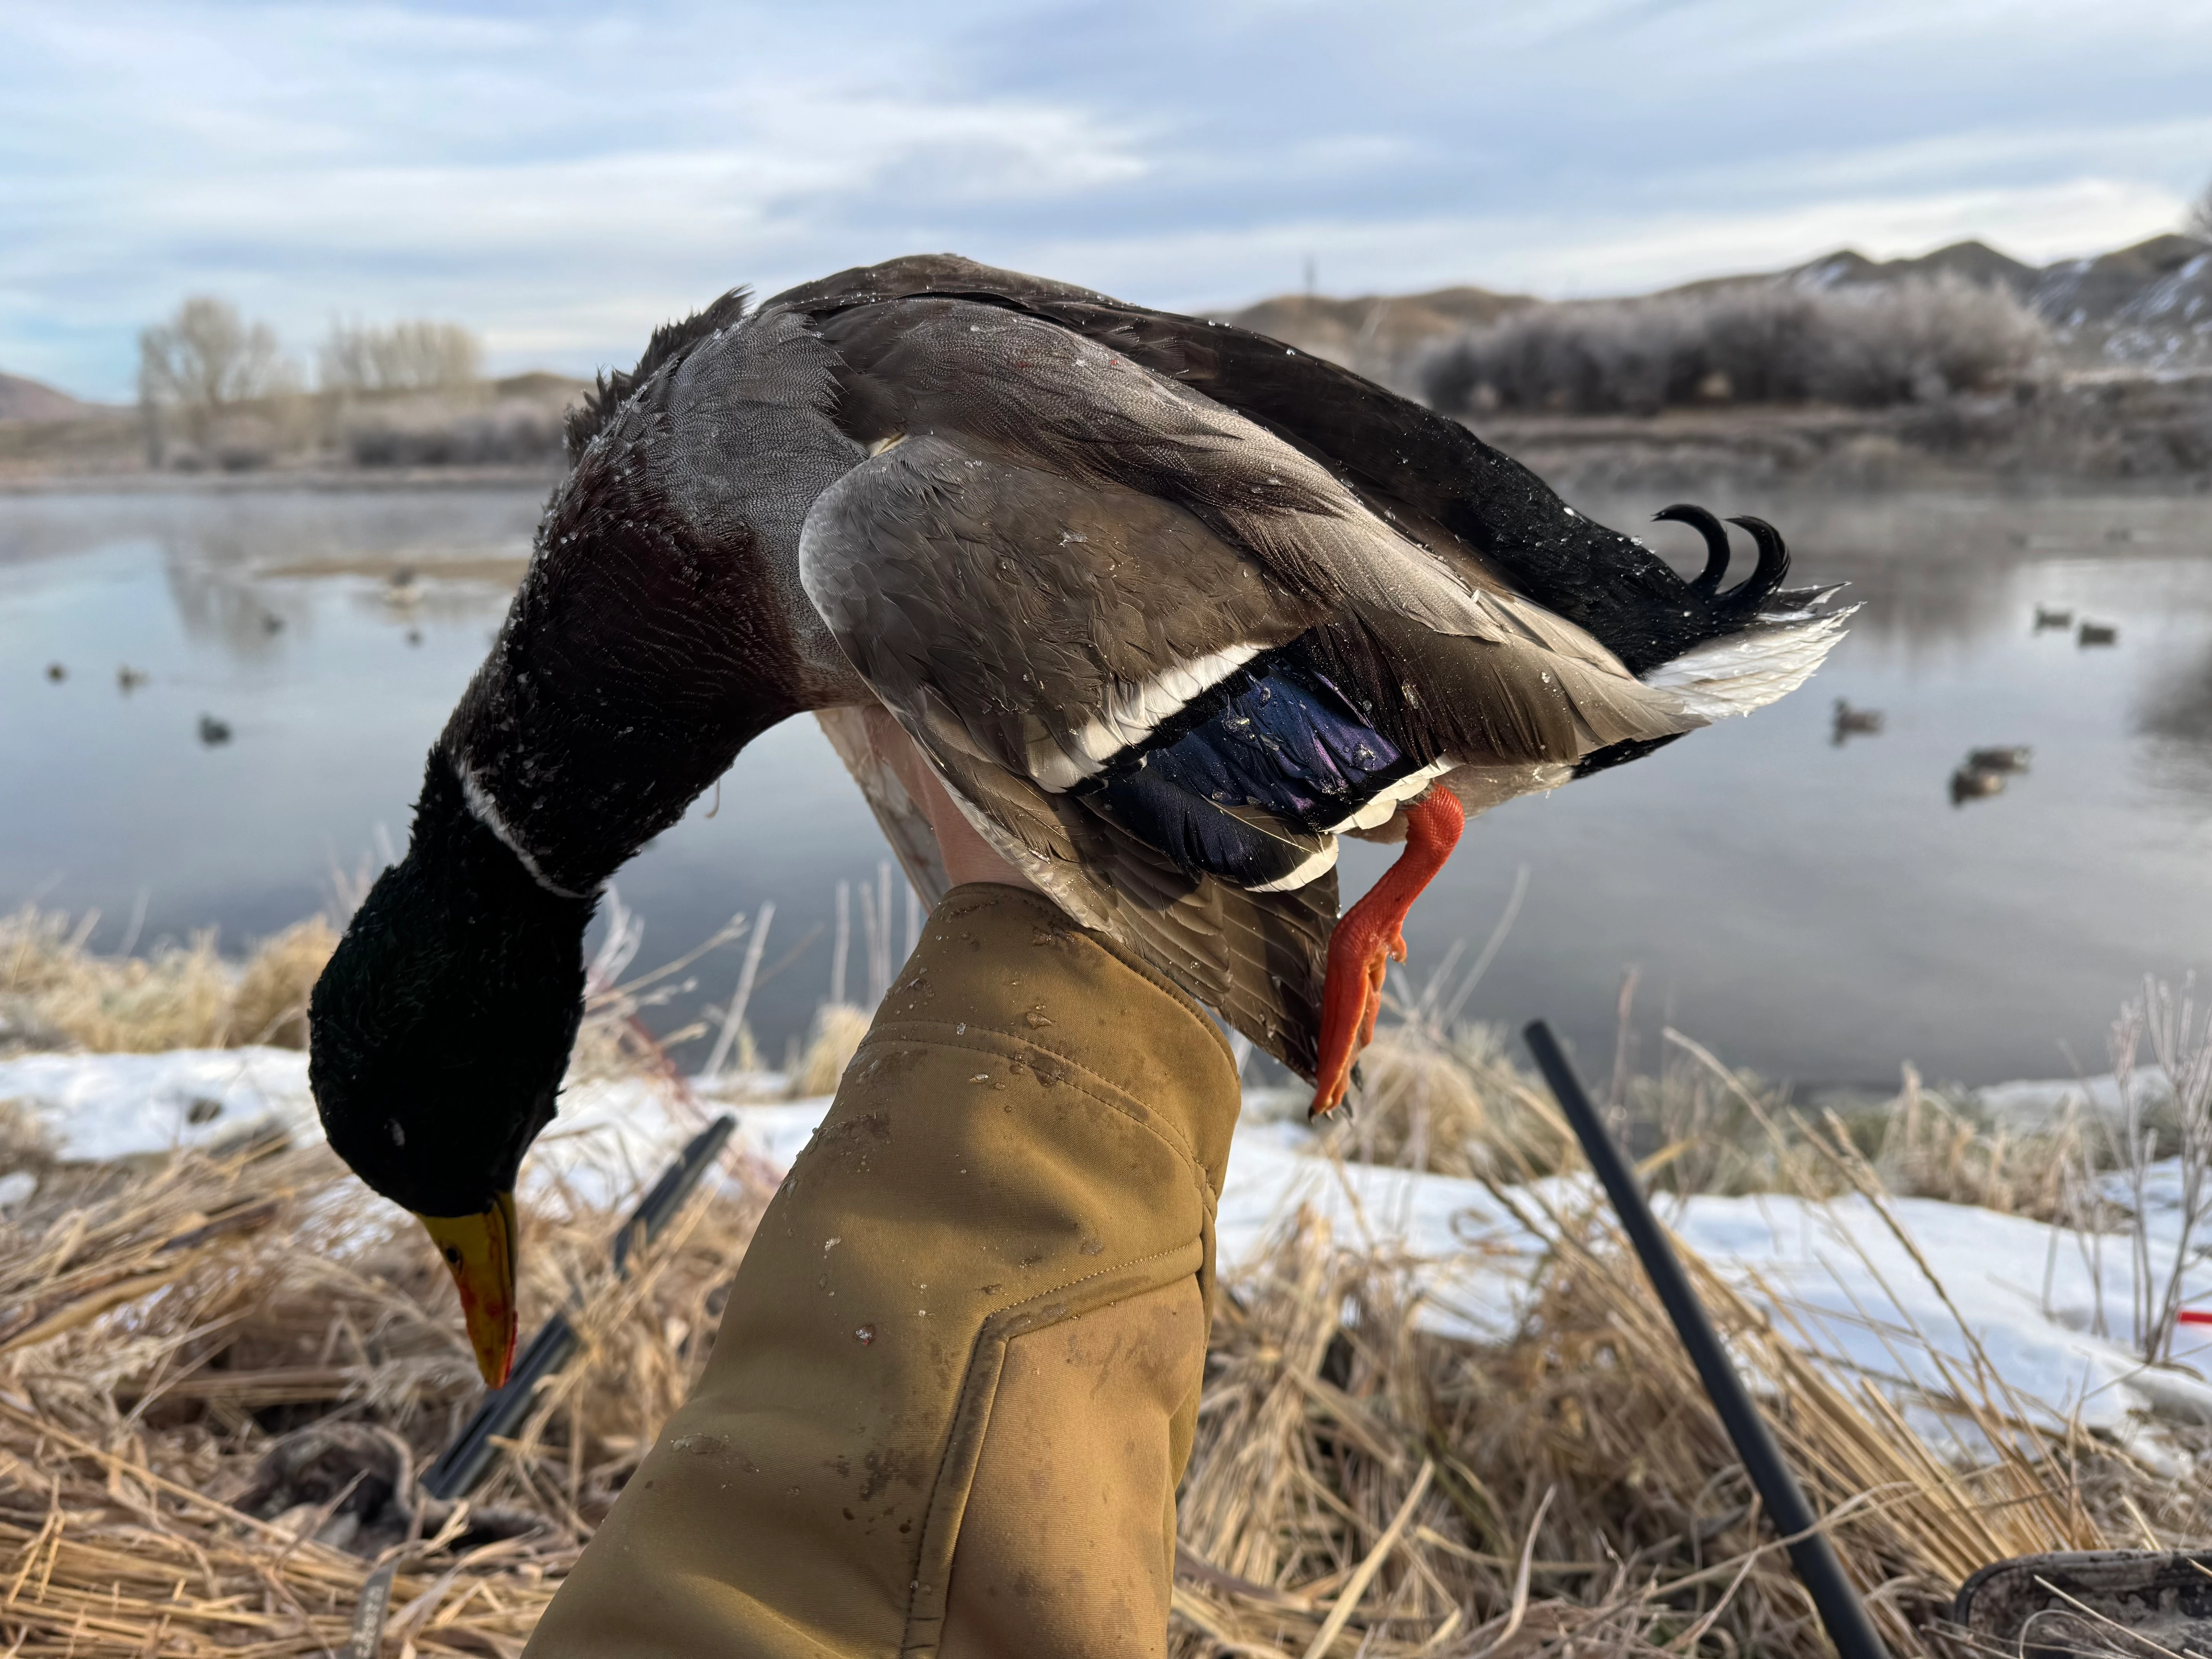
(439,1034)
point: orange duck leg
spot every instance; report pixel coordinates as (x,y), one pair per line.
(1369,936)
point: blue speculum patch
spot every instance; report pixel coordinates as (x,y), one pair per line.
(1284,742)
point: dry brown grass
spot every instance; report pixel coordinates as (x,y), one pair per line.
(55,993)
(1569,1490)
(1457,1103)
(1454,1104)
(831,1045)
(158,1330)
(182,996)
(1356,1473)
(1362,1485)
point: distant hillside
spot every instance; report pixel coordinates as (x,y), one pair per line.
(1376,334)
(1977,262)
(22,399)
(2148,306)
(2145,306)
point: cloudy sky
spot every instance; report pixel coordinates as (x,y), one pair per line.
(562,177)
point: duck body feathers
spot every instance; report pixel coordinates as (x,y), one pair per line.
(1168,605)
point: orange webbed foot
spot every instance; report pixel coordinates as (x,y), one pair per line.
(1371,936)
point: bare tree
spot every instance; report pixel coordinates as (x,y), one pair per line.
(408,356)
(2197,222)
(204,359)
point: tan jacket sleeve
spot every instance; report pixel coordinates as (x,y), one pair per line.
(957,1379)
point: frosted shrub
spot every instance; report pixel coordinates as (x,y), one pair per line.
(1916,340)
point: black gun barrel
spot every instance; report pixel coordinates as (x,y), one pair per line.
(465,1462)
(1841,1611)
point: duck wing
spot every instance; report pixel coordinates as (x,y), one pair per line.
(1423,472)
(1162,655)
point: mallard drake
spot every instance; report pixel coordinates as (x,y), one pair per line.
(1169,606)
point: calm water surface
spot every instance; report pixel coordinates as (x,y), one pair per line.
(1818,911)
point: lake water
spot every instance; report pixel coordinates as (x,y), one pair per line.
(1818,911)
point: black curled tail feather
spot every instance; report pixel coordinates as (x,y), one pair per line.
(1773,567)
(1707,524)
(1748,595)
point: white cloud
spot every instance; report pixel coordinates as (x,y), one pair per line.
(563,178)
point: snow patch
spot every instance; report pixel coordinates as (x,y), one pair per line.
(95,1107)
(2047,1313)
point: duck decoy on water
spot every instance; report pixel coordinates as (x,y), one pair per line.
(2098,633)
(1985,772)
(1852,722)
(1972,782)
(1168,605)
(2046,617)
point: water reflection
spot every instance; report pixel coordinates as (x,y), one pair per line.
(221,604)
(2174,718)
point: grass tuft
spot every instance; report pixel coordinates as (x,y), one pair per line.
(55,993)
(831,1045)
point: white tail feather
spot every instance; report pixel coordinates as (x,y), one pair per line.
(1738,672)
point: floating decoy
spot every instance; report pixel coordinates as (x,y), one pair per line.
(271,622)
(128,679)
(57,671)
(213,732)
(1168,605)
(2048,618)
(1970,783)
(1999,760)
(2098,633)
(1852,722)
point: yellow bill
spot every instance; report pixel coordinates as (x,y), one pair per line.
(479,1251)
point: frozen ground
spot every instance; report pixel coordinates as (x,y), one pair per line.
(2045,1314)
